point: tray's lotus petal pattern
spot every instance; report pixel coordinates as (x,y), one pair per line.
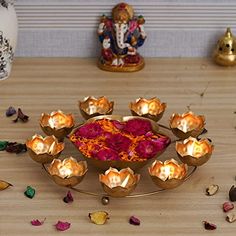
(119,183)
(187,124)
(169,174)
(68,172)
(193,152)
(44,150)
(91,107)
(150,108)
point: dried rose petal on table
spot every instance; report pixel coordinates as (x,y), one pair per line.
(134,220)
(68,198)
(62,226)
(30,192)
(4,185)
(232,194)
(37,222)
(20,115)
(14,147)
(209,226)
(10,111)
(227,206)
(212,190)
(99,217)
(3,145)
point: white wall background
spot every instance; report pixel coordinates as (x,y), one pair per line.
(176,28)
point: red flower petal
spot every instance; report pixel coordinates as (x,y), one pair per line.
(90,130)
(37,222)
(107,154)
(118,142)
(62,226)
(138,127)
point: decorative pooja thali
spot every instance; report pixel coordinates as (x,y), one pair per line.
(119,146)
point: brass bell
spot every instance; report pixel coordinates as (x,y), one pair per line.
(225,52)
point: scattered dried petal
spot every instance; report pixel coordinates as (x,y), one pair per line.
(62,226)
(3,145)
(231,217)
(212,190)
(227,206)
(232,194)
(99,217)
(68,198)
(209,226)
(14,147)
(4,185)
(10,111)
(134,220)
(30,192)
(20,115)
(37,222)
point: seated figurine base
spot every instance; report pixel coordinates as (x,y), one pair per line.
(124,68)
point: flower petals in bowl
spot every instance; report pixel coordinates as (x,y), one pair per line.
(169,174)
(91,107)
(193,152)
(120,142)
(44,150)
(150,108)
(187,124)
(68,172)
(119,183)
(57,123)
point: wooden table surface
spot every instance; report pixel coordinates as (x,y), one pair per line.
(44,85)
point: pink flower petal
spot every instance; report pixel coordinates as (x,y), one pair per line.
(62,226)
(107,154)
(138,127)
(37,222)
(118,142)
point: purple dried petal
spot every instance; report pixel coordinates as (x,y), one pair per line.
(10,111)
(209,226)
(68,198)
(62,226)
(37,222)
(134,220)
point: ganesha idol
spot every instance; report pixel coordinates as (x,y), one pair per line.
(120,37)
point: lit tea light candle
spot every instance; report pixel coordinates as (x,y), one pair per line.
(119,183)
(91,107)
(68,172)
(169,174)
(150,108)
(44,150)
(194,152)
(57,123)
(187,124)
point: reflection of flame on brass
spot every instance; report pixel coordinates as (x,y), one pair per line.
(170,169)
(193,147)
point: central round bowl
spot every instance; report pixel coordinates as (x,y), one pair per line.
(120,164)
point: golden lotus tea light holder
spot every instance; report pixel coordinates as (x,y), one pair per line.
(119,183)
(169,174)
(193,152)
(91,107)
(149,108)
(225,52)
(57,123)
(44,150)
(187,124)
(68,172)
